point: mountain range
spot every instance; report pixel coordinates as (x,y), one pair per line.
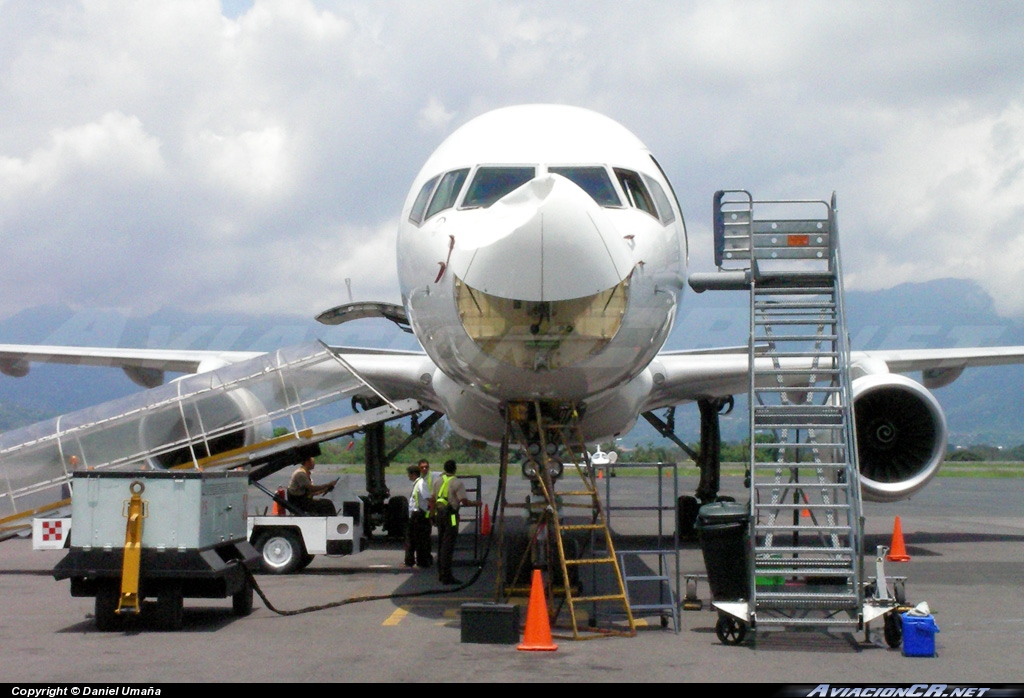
(982,406)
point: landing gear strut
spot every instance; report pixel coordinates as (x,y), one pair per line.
(709,459)
(381,512)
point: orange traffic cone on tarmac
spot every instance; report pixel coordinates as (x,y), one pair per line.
(897,553)
(485,524)
(278,509)
(537,637)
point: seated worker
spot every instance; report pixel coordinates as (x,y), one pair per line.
(301,491)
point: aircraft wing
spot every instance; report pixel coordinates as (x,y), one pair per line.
(145,367)
(684,376)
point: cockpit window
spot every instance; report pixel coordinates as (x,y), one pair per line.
(447,191)
(636,192)
(593,180)
(665,213)
(491,183)
(420,205)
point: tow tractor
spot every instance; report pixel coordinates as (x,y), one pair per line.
(287,539)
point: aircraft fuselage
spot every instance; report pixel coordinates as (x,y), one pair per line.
(541,256)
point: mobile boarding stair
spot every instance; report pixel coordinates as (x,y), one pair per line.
(805,535)
(252,413)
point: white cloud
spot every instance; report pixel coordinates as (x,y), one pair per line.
(434,117)
(253,158)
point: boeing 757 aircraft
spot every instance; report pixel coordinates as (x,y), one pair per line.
(542,257)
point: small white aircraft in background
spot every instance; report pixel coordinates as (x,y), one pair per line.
(542,257)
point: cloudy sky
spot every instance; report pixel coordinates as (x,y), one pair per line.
(251,156)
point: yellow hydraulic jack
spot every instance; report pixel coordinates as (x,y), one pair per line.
(135,512)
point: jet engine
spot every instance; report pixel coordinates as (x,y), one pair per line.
(901,436)
(214,423)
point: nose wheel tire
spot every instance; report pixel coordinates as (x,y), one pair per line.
(730,631)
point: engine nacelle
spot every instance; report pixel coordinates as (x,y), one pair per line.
(901,436)
(236,418)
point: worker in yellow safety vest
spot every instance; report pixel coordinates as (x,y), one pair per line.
(449,495)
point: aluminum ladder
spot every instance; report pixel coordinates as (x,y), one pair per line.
(654,583)
(806,529)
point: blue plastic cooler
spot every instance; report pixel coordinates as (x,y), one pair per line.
(918,635)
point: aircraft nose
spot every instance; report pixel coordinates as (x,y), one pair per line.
(546,241)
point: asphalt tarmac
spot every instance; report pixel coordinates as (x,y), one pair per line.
(964,538)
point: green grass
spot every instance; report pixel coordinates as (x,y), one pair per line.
(982,469)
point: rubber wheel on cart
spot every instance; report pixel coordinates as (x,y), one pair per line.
(731,631)
(281,552)
(108,594)
(892,630)
(242,600)
(170,606)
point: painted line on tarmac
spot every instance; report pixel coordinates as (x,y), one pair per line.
(397,616)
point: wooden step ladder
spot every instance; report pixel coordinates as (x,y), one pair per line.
(549,435)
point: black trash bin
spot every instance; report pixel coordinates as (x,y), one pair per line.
(723,529)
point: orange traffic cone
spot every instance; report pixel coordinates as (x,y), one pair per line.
(485,524)
(537,637)
(897,553)
(277,509)
(600,474)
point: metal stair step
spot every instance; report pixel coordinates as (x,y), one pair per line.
(786,485)
(805,424)
(828,304)
(804,572)
(807,622)
(806,528)
(805,599)
(798,354)
(817,563)
(800,506)
(798,410)
(797,337)
(786,320)
(800,371)
(806,466)
(645,578)
(800,444)
(796,549)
